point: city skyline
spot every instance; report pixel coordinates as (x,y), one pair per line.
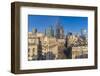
(60,37)
(69,23)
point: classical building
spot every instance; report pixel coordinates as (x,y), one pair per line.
(41,46)
(49,32)
(59,33)
(34,31)
(52,44)
(79,52)
(71,39)
(78,45)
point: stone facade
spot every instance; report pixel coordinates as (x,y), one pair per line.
(46,47)
(78,51)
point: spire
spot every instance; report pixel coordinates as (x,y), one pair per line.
(57,23)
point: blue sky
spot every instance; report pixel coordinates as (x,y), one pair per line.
(69,23)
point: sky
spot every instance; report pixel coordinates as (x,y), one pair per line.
(69,23)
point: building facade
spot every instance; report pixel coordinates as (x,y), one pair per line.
(59,33)
(40,44)
(79,52)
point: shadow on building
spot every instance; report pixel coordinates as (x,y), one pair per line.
(68,50)
(39,50)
